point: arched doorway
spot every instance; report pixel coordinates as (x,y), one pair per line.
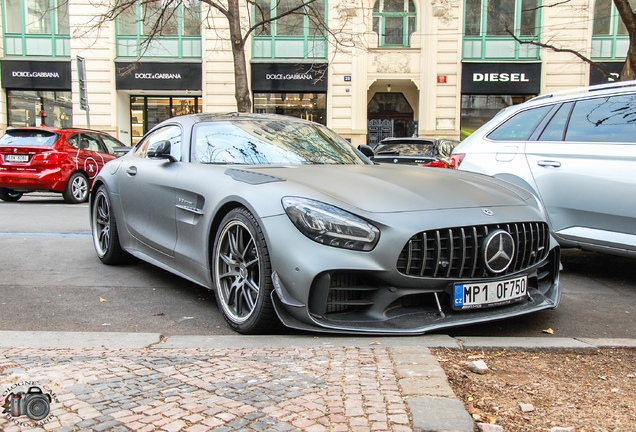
(389,114)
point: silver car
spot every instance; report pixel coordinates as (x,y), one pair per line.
(289,223)
(576,150)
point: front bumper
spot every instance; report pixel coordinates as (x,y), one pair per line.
(333,290)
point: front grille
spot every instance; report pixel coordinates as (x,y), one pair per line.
(457,252)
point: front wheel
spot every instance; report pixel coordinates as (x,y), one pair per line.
(9,195)
(241,270)
(105,237)
(76,191)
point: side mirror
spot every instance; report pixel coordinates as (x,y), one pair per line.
(160,150)
(366,150)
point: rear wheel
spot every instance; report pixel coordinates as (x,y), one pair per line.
(242,271)
(105,237)
(76,189)
(9,195)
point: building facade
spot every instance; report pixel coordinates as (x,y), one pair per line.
(366,68)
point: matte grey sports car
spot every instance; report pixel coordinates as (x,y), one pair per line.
(288,222)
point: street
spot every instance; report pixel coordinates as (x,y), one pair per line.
(51,279)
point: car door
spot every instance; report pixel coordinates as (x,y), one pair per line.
(147,190)
(86,154)
(95,154)
(583,166)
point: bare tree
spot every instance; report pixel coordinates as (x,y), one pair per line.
(244,18)
(629,19)
(628,16)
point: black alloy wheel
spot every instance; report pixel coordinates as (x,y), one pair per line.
(241,271)
(105,236)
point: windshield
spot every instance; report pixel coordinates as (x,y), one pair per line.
(28,138)
(270,142)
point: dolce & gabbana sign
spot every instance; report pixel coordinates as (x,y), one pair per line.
(158,76)
(289,77)
(501,78)
(36,75)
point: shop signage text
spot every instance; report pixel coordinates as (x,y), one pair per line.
(36,75)
(289,77)
(501,78)
(158,76)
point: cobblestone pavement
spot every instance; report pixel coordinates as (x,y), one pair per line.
(196,390)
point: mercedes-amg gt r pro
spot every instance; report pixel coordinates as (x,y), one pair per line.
(288,222)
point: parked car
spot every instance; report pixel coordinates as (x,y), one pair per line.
(434,152)
(53,159)
(575,150)
(284,219)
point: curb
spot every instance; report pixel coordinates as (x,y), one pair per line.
(422,380)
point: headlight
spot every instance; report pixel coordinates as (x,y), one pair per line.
(329,225)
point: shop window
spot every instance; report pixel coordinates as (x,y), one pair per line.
(300,34)
(148,111)
(39,108)
(309,106)
(487,27)
(36,28)
(477,110)
(179,34)
(610,39)
(394,21)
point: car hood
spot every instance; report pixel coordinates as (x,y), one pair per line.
(387,188)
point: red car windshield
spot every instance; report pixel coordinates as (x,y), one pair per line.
(28,138)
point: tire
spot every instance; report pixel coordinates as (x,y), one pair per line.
(105,236)
(241,271)
(9,195)
(77,189)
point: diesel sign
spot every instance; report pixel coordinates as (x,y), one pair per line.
(501,78)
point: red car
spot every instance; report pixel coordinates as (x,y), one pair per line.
(53,159)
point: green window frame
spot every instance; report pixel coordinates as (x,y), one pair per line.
(610,39)
(179,37)
(485,35)
(394,21)
(36,28)
(301,35)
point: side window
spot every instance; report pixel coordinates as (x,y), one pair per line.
(111,143)
(170,133)
(91,143)
(555,129)
(520,126)
(606,119)
(73,140)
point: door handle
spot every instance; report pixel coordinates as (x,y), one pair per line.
(549,163)
(132,170)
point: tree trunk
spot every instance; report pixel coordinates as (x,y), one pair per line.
(629,19)
(242,89)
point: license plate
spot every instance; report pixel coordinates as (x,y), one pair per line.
(489,294)
(16,158)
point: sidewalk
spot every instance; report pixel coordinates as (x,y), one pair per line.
(143,382)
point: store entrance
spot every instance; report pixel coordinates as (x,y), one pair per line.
(148,111)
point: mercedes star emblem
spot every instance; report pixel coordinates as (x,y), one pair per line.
(499,251)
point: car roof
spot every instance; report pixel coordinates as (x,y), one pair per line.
(52,129)
(616,88)
(205,117)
